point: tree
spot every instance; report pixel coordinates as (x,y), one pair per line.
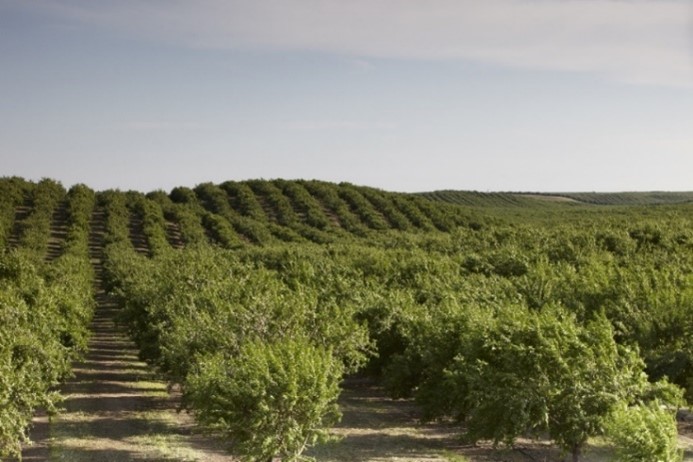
(644,432)
(532,372)
(271,399)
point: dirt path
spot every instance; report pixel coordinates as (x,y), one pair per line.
(58,231)
(174,235)
(20,214)
(115,409)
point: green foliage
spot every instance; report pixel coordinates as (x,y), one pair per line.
(292,211)
(71,281)
(511,326)
(452,457)
(117,218)
(272,399)
(214,199)
(443,218)
(13,193)
(191,229)
(362,207)
(329,197)
(220,230)
(520,371)
(183,195)
(153,222)
(481,199)
(185,215)
(279,206)
(282,220)
(305,204)
(644,432)
(244,200)
(633,198)
(513,318)
(385,205)
(202,300)
(413,213)
(29,365)
(80,204)
(45,197)
(43,323)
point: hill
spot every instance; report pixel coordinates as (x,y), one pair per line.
(255,211)
(374,290)
(526,199)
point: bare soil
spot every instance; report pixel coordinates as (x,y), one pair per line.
(115,409)
(58,232)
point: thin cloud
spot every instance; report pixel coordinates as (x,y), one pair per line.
(161,125)
(635,41)
(323,125)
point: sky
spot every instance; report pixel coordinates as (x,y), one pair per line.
(403,95)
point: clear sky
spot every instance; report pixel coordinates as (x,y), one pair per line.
(404,95)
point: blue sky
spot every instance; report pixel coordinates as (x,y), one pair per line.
(405,95)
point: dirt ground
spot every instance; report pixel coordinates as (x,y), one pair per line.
(116,410)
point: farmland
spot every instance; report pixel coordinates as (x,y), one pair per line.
(282,313)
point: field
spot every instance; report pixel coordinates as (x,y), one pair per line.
(534,200)
(439,326)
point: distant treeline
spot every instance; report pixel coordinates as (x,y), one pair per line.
(542,199)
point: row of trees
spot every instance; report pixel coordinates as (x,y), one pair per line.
(13,192)
(511,329)
(284,212)
(305,204)
(45,307)
(35,230)
(570,324)
(256,358)
(266,212)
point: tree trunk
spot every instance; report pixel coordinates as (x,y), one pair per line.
(576,452)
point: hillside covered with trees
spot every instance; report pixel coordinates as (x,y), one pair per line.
(510,315)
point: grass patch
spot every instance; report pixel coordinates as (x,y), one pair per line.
(452,457)
(167,446)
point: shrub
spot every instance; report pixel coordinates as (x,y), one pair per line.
(271,400)
(644,432)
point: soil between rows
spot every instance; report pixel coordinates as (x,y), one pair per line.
(115,409)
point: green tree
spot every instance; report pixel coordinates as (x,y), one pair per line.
(532,372)
(644,432)
(272,399)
